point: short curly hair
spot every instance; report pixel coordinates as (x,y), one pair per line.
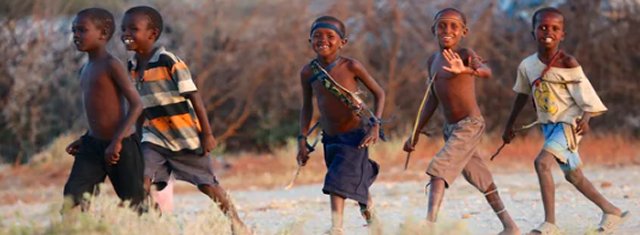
(534,18)
(155,19)
(102,18)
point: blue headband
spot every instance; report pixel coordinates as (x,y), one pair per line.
(325,25)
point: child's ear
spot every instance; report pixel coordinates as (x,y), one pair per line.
(345,41)
(154,34)
(465,31)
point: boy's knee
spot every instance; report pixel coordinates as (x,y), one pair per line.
(573,176)
(542,164)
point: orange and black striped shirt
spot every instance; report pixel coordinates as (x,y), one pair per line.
(170,120)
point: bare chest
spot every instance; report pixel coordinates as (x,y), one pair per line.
(343,79)
(95,79)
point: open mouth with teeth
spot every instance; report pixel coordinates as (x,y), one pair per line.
(128,41)
(548,40)
(446,38)
(76,42)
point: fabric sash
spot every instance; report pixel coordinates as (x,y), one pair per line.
(350,99)
(347,97)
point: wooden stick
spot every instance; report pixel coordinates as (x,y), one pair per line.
(514,132)
(415,123)
(295,175)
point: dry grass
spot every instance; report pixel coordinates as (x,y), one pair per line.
(106,217)
(51,166)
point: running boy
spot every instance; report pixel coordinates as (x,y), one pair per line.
(453,71)
(109,147)
(565,101)
(348,132)
(176,136)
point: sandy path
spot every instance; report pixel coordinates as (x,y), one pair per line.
(275,210)
(270,211)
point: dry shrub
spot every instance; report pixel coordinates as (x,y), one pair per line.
(246,57)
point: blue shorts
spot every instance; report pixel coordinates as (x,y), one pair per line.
(555,142)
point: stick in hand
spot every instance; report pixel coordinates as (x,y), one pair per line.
(311,148)
(415,124)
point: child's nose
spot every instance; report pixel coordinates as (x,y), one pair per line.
(447,29)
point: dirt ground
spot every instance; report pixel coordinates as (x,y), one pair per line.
(256,183)
(306,209)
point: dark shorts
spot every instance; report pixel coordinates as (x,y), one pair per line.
(192,168)
(350,172)
(90,169)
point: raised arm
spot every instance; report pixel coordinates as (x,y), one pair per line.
(120,78)
(474,65)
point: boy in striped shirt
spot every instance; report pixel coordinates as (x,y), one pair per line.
(176,136)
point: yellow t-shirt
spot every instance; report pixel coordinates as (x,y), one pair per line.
(562,95)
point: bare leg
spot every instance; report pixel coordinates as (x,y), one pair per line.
(366,210)
(493,198)
(337,211)
(543,164)
(369,214)
(163,196)
(221,198)
(587,189)
(436,193)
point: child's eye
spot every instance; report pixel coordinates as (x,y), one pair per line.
(543,28)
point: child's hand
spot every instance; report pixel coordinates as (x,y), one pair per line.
(371,138)
(508,135)
(303,153)
(408,146)
(457,66)
(583,126)
(208,143)
(112,153)
(73,147)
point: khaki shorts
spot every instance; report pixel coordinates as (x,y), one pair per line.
(459,154)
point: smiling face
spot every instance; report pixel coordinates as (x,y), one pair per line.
(137,33)
(548,30)
(449,28)
(325,41)
(86,35)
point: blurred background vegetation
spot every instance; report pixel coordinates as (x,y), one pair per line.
(245,56)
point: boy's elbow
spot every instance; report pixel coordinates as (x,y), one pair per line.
(487,74)
(380,94)
(136,108)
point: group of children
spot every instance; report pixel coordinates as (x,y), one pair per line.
(150,123)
